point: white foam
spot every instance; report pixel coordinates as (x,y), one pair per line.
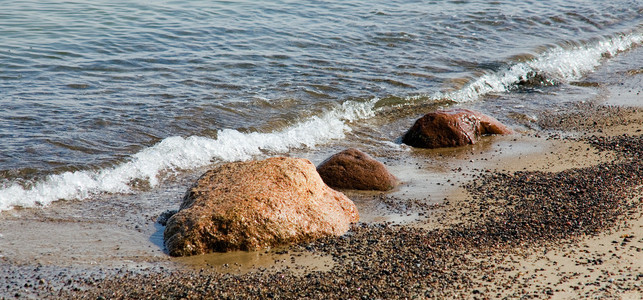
(179,153)
(557,64)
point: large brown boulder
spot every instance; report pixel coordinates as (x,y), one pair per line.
(257,204)
(354,169)
(452,128)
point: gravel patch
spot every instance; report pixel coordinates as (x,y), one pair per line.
(508,218)
(509,215)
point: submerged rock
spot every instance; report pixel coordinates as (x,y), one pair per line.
(452,128)
(257,204)
(354,169)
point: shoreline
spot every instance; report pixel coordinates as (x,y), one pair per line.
(443,248)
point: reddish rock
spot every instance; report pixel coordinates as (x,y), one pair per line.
(354,169)
(255,205)
(452,128)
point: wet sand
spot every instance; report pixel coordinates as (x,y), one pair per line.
(555,212)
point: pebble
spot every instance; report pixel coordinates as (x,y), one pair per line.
(508,215)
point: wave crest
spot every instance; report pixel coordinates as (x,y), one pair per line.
(555,65)
(179,153)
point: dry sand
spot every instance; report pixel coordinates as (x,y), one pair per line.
(505,218)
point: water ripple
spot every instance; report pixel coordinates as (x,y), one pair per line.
(88,83)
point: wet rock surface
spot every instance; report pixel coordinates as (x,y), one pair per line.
(354,169)
(452,128)
(509,218)
(509,214)
(255,205)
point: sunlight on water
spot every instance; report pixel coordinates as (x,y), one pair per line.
(129,91)
(555,65)
(177,153)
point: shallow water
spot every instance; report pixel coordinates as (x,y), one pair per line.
(121,97)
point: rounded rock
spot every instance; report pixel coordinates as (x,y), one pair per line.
(354,169)
(257,204)
(452,128)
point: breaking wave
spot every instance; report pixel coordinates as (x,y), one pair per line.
(559,64)
(179,153)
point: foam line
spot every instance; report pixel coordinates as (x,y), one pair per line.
(556,65)
(179,153)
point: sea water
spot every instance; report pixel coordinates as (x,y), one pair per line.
(106,98)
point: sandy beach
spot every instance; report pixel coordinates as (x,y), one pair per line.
(554,212)
(110,112)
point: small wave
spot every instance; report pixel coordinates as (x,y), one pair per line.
(555,65)
(179,153)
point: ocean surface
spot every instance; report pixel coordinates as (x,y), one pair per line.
(107,98)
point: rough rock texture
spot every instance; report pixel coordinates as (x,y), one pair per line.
(354,169)
(257,204)
(452,128)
